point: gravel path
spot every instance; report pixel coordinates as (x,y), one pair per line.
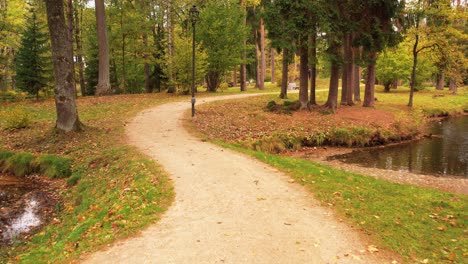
(229,208)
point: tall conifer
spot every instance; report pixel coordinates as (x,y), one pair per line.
(32,62)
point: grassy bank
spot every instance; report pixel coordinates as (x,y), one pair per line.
(269,124)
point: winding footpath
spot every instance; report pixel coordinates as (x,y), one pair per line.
(229,208)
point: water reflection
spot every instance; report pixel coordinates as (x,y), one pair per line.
(446,153)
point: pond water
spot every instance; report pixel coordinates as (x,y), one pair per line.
(19,208)
(443,154)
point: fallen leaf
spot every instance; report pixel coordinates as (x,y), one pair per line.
(291,181)
(424,261)
(372,249)
(441,228)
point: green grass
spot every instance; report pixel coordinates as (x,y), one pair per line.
(415,222)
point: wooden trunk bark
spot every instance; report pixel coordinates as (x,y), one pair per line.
(357,83)
(284,75)
(369,98)
(303,75)
(440,81)
(453,86)
(413,71)
(148,88)
(62,56)
(103,87)
(313,69)
(262,56)
(213,80)
(79,50)
(272,54)
(332,100)
(349,56)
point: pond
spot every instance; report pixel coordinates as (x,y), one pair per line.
(445,153)
(24,207)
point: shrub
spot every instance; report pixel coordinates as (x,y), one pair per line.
(16,118)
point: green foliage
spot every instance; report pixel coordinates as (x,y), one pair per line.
(182,66)
(32,62)
(393,65)
(221,32)
(16,118)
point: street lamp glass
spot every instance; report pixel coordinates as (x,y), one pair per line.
(193,14)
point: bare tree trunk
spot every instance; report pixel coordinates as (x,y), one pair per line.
(357,76)
(148,88)
(257,64)
(79,49)
(303,74)
(234,77)
(103,87)
(440,81)
(284,75)
(453,86)
(273,77)
(357,83)
(350,69)
(413,71)
(62,55)
(369,98)
(170,45)
(332,100)
(262,56)
(243,71)
(313,70)
(124,67)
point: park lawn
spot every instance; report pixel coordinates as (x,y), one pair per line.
(114,189)
(422,225)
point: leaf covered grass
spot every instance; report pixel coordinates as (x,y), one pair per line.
(113,190)
(271,124)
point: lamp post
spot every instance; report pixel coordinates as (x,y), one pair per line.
(193,18)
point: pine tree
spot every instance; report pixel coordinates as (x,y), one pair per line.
(32,62)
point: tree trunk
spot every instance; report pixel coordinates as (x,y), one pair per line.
(170,46)
(273,78)
(284,75)
(303,74)
(243,70)
(79,50)
(103,87)
(440,81)
(413,71)
(313,70)
(62,55)
(124,66)
(387,87)
(257,64)
(357,83)
(262,56)
(349,54)
(148,88)
(453,86)
(369,98)
(213,80)
(332,100)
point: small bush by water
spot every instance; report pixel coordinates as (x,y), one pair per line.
(22,163)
